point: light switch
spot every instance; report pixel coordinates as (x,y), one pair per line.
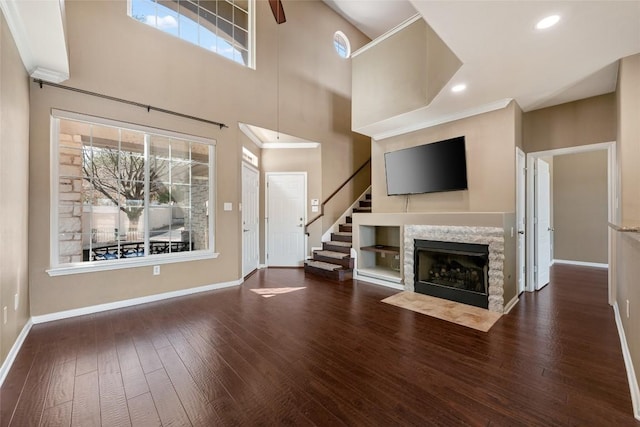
(314,209)
(228,206)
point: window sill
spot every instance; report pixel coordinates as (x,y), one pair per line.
(95,266)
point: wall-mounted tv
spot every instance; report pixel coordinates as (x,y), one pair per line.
(428,168)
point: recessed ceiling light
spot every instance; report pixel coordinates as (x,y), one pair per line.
(547,22)
(459,88)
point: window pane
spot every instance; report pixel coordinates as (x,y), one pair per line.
(167,17)
(225,10)
(208,40)
(144,11)
(189,29)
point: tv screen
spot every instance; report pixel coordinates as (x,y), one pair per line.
(429,168)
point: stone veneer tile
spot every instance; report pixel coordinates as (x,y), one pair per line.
(491,236)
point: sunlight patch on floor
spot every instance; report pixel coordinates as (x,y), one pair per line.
(272,292)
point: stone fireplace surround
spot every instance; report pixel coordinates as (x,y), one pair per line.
(491,236)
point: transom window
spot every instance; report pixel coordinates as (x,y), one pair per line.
(221,26)
(126,194)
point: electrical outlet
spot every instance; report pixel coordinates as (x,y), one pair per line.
(15,302)
(156,270)
(397,257)
(4,314)
(382,255)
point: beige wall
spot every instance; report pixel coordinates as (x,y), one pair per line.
(113,54)
(627,247)
(490,147)
(587,121)
(580,207)
(399,74)
(14,188)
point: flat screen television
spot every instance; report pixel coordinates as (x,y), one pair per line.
(428,168)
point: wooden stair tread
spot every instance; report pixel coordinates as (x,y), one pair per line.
(338,243)
(323,265)
(343,233)
(332,254)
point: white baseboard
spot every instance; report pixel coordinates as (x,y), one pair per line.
(380,282)
(11,356)
(129,302)
(510,305)
(628,363)
(261,266)
(580,263)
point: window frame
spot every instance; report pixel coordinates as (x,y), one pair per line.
(251,30)
(57,269)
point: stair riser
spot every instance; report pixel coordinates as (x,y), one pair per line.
(365,203)
(346,262)
(329,247)
(362,210)
(339,238)
(348,228)
(338,275)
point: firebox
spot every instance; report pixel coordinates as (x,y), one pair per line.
(453,271)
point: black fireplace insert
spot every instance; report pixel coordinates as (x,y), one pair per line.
(451,270)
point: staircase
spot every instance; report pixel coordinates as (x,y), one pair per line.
(334,260)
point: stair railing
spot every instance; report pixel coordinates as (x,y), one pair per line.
(353,175)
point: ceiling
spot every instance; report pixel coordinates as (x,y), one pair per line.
(504,57)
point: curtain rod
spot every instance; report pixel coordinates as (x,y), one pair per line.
(124,101)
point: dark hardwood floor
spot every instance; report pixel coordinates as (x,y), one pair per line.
(329,354)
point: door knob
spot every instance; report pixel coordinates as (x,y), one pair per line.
(245,230)
(551,229)
(520,232)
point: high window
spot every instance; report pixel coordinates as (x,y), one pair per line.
(221,26)
(126,195)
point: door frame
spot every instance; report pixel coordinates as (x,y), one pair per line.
(266,209)
(253,169)
(521,211)
(612,196)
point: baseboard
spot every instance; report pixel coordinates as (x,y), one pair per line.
(510,305)
(129,302)
(628,363)
(580,263)
(11,356)
(373,280)
(262,266)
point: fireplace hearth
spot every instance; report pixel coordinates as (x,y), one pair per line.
(452,270)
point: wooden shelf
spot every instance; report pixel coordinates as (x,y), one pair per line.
(382,249)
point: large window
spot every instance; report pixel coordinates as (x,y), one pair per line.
(125,194)
(221,26)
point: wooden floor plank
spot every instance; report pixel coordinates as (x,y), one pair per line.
(57,416)
(327,354)
(166,400)
(143,412)
(86,401)
(61,385)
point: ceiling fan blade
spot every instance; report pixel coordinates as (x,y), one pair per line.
(278,11)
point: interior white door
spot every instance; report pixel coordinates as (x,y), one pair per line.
(543,223)
(286,195)
(521,171)
(250,219)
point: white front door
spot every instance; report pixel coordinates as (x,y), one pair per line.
(543,224)
(520,218)
(250,219)
(286,215)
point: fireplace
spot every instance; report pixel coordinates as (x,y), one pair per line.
(452,270)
